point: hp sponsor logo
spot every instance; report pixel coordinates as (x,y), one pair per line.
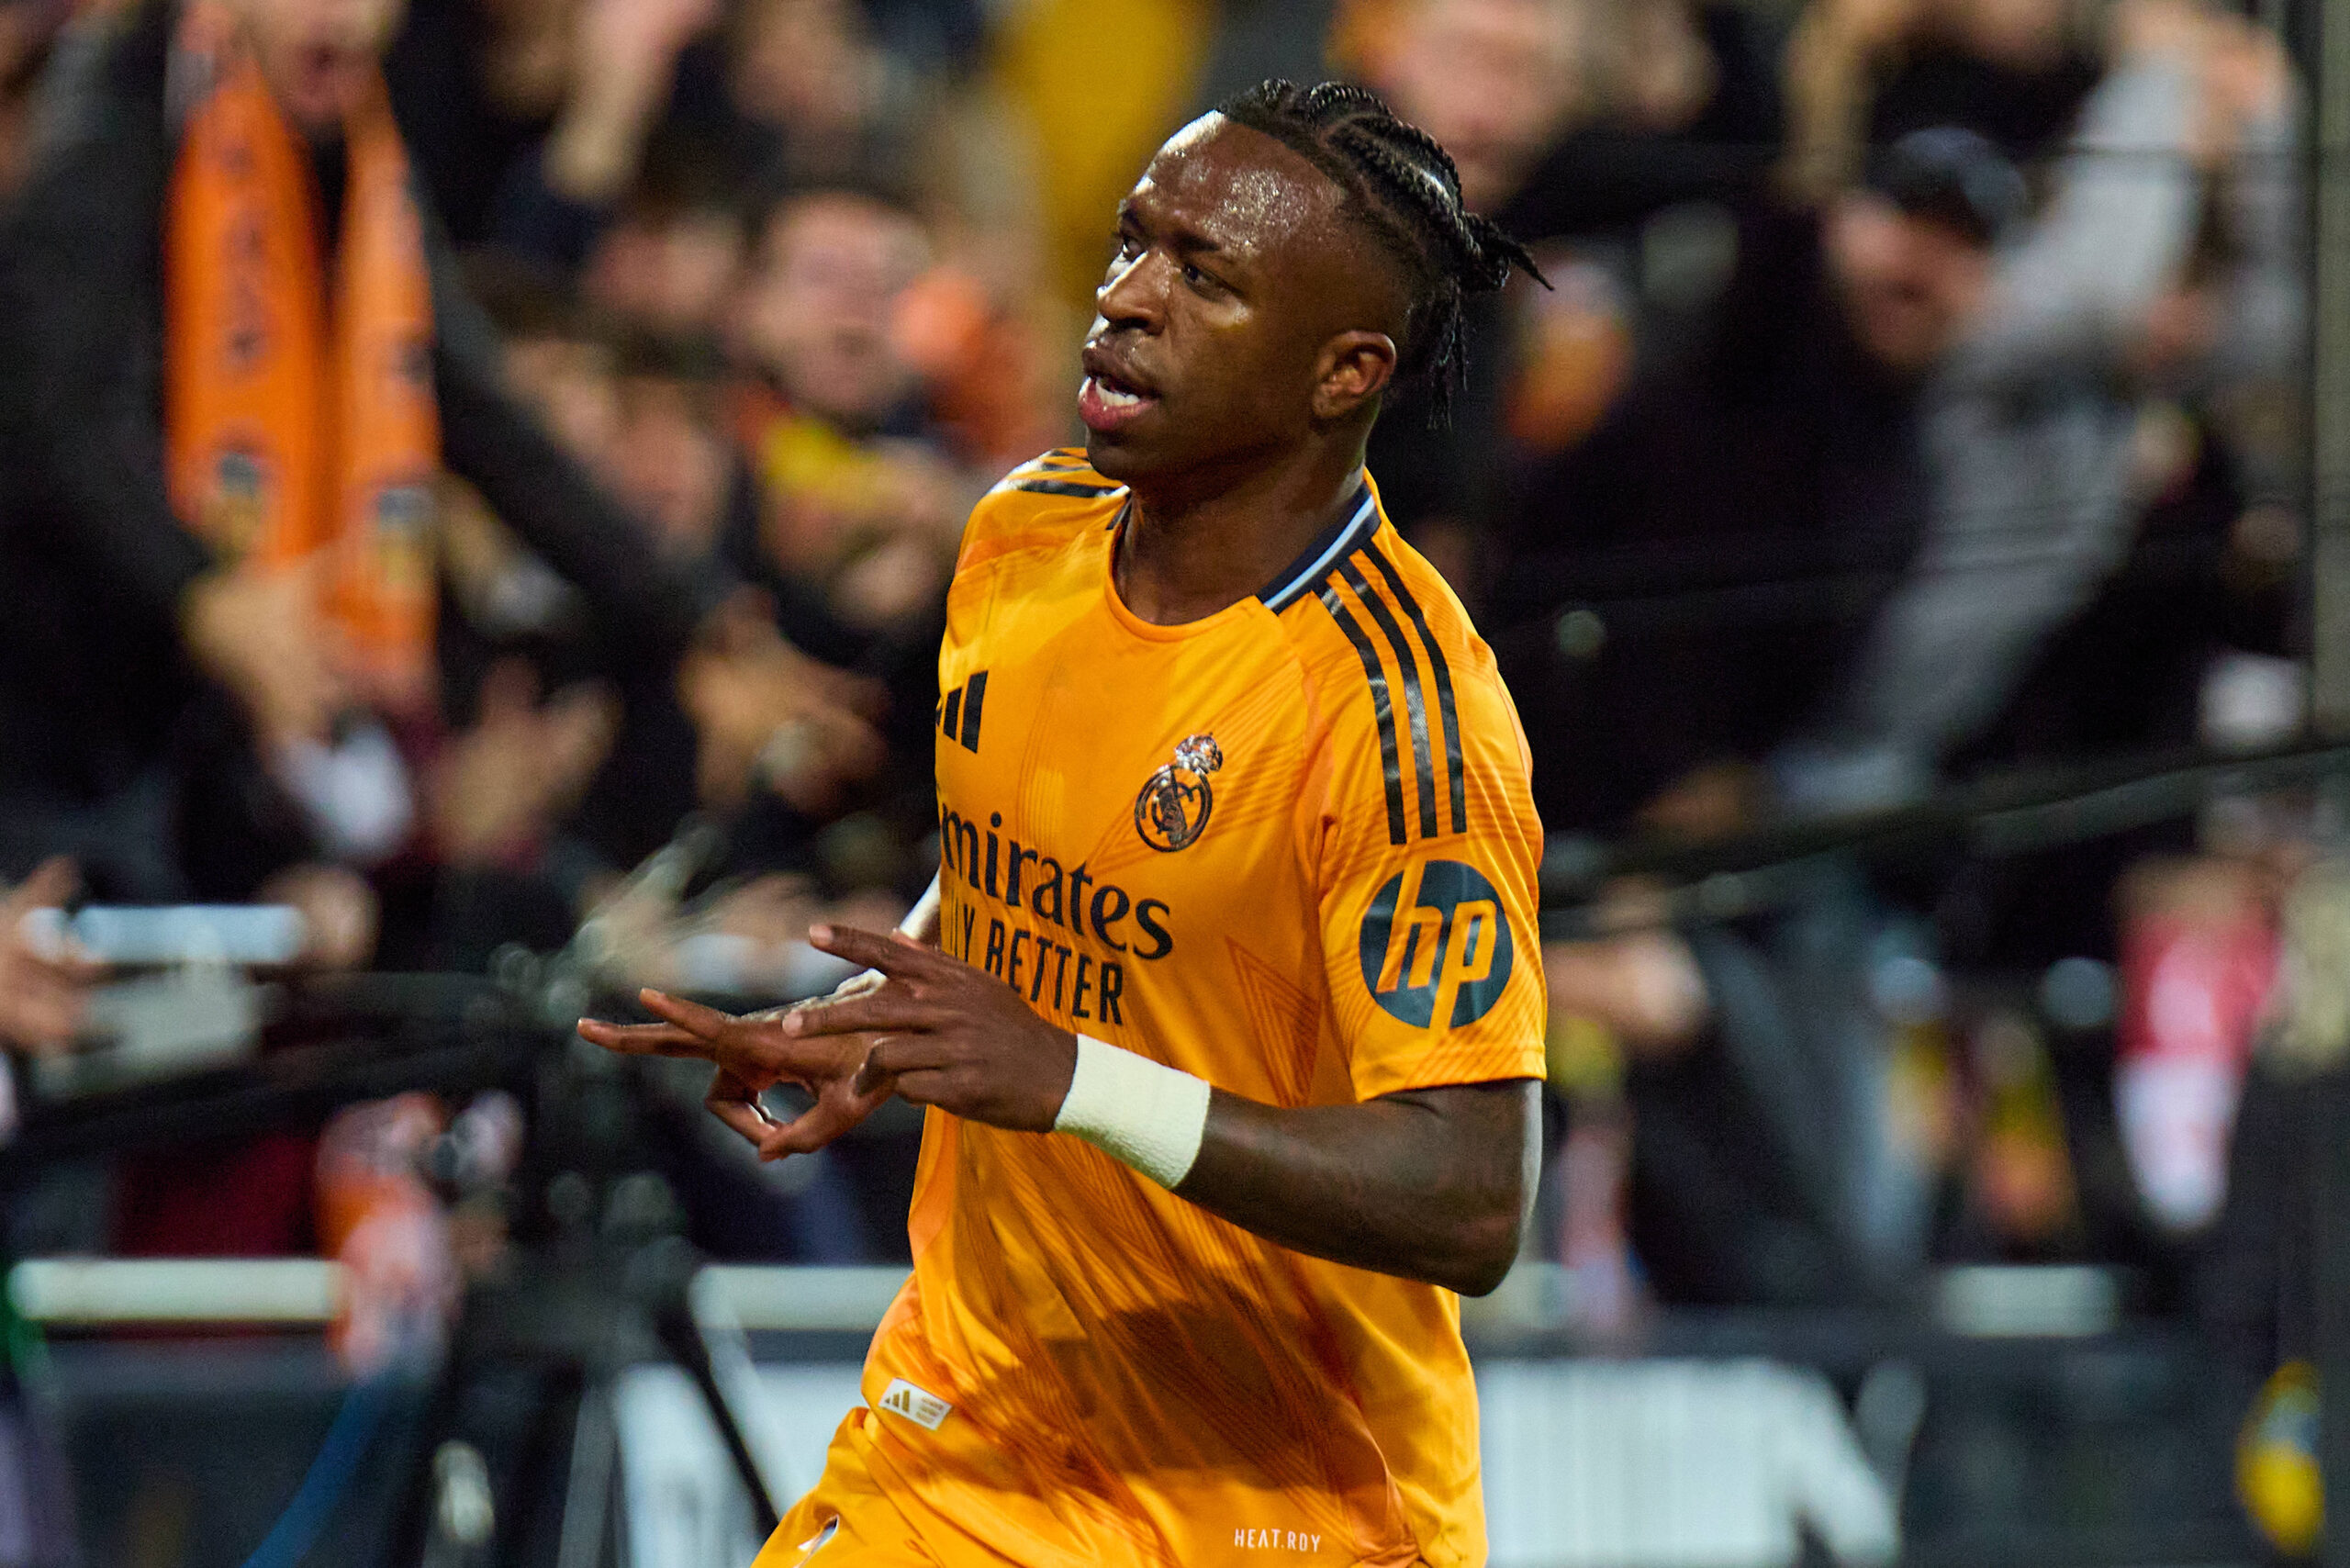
(1436,947)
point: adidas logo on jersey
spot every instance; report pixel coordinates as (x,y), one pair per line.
(919,1405)
(958,712)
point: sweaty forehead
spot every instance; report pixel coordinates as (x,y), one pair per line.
(1236,187)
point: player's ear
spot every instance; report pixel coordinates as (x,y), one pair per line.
(1355,367)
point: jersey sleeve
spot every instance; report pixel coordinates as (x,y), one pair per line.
(1033,504)
(1037,507)
(1429,938)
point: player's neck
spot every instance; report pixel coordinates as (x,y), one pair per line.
(1190,548)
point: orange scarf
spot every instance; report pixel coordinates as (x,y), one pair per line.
(299,417)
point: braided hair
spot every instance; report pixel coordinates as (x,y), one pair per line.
(1402,187)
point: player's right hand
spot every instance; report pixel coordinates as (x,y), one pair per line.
(753,1055)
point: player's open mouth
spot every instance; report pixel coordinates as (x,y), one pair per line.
(1106,402)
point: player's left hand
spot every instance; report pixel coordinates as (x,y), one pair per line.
(753,1054)
(953,1036)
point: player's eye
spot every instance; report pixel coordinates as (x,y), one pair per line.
(1125,247)
(1204,282)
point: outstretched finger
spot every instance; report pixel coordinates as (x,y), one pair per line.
(646,1039)
(898,959)
(703,1023)
(856,984)
(873,1012)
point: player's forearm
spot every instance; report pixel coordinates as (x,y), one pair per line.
(1432,1185)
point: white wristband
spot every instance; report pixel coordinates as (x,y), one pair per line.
(1136,1111)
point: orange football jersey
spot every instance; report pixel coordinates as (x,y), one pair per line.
(1289,848)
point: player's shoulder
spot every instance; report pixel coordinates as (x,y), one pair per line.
(1040,505)
(1063,474)
(1405,698)
(1377,624)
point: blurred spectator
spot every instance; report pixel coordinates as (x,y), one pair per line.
(645,412)
(860,495)
(671,259)
(2259,1281)
(1568,116)
(1568,120)
(179,551)
(1494,82)
(559,355)
(816,95)
(2032,509)
(1805,399)
(1861,398)
(858,500)
(669,456)
(817,313)
(529,116)
(558,197)
(1865,73)
(1922,462)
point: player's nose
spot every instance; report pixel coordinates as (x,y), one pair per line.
(1135,294)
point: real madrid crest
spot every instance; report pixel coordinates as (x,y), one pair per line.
(1173,807)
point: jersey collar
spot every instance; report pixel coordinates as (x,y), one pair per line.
(1356,520)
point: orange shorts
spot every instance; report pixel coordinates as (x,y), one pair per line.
(848,1522)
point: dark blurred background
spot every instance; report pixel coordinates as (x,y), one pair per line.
(1932,410)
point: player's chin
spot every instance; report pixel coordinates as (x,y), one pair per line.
(1121,455)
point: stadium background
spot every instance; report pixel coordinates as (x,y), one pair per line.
(1946,924)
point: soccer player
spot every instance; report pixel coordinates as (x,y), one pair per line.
(1229,1009)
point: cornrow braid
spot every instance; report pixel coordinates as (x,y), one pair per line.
(1403,187)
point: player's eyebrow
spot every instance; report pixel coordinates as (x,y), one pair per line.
(1185,238)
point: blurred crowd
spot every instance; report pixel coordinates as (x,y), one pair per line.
(1917,397)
